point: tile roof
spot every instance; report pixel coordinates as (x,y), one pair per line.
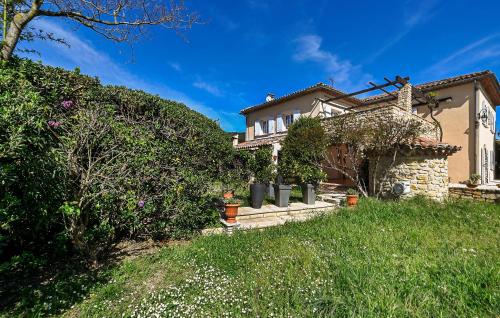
(443,83)
(487,77)
(319,86)
(425,143)
(260,142)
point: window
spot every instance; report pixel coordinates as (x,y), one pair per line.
(288,120)
(265,127)
(492,123)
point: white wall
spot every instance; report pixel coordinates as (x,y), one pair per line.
(486,138)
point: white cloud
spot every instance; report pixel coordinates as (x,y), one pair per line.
(345,75)
(421,11)
(484,50)
(92,61)
(211,88)
(176,66)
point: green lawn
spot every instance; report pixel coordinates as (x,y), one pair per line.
(412,259)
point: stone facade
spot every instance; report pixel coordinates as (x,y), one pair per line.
(405,98)
(481,193)
(376,113)
(426,173)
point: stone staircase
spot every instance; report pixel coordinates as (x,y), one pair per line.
(335,198)
(332,193)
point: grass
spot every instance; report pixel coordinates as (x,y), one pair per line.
(410,259)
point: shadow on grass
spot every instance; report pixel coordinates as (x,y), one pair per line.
(55,286)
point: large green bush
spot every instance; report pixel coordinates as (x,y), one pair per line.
(262,165)
(302,151)
(82,165)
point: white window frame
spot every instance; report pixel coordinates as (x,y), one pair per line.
(288,120)
(264,124)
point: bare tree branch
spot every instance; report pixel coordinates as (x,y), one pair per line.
(116,20)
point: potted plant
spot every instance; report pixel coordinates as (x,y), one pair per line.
(352,197)
(263,169)
(228,194)
(301,155)
(281,192)
(310,176)
(474,180)
(231,206)
(227,179)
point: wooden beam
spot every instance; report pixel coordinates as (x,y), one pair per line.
(384,90)
(399,79)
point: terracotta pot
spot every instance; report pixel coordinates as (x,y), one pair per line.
(228,195)
(231,212)
(352,199)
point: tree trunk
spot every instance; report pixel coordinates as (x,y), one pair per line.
(16,28)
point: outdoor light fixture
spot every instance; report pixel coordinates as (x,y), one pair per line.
(482,115)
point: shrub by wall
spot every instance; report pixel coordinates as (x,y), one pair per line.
(83,165)
(302,151)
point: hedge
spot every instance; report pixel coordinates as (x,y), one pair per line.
(84,165)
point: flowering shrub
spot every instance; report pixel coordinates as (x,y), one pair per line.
(82,165)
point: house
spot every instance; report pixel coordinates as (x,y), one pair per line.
(466,114)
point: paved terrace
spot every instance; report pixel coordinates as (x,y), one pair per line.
(271,215)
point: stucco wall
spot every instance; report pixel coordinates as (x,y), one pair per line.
(426,173)
(457,120)
(307,105)
(486,139)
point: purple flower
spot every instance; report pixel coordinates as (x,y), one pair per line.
(140,204)
(54,123)
(67,104)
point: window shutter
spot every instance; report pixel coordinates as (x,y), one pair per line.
(328,111)
(296,114)
(271,125)
(279,123)
(258,131)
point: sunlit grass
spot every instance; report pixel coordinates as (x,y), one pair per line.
(411,259)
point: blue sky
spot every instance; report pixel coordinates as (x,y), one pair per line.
(245,49)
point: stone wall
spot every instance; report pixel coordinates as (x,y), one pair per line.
(376,113)
(427,175)
(481,193)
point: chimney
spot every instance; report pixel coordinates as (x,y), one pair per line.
(405,97)
(269,97)
(235,140)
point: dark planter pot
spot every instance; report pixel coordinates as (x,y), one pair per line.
(282,194)
(308,193)
(472,185)
(257,192)
(270,190)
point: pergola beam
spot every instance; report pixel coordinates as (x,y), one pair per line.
(398,79)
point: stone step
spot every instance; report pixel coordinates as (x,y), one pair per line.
(272,211)
(334,198)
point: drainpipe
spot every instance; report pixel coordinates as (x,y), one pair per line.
(477,147)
